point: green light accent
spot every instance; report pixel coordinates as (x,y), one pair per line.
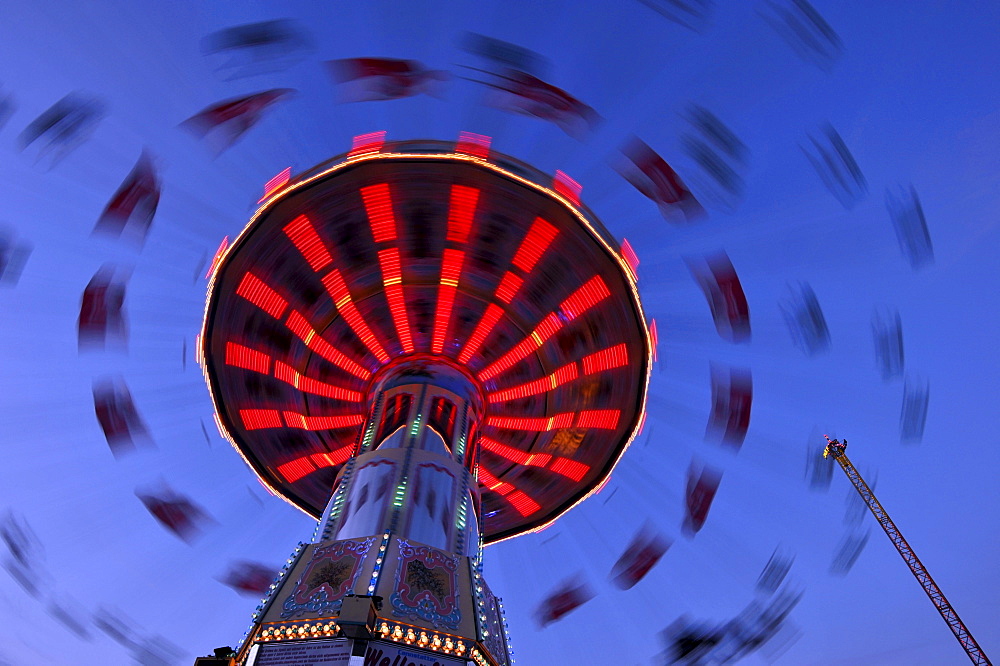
(400,493)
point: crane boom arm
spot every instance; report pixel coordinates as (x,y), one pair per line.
(920,572)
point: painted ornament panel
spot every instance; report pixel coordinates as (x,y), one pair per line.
(426,586)
(331,574)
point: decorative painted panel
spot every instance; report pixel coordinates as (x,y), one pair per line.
(331,573)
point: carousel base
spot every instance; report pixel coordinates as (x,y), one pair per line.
(347,652)
(381,600)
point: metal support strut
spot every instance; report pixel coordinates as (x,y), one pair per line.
(836,449)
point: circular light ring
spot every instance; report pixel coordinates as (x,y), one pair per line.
(396,253)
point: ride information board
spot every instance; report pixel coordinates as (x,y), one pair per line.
(391,654)
(305,653)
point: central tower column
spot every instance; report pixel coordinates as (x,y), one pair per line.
(395,562)
(414,476)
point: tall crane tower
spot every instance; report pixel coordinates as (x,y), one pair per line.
(836,449)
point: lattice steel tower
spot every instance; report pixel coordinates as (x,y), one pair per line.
(836,449)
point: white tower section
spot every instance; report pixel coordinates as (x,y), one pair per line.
(414,475)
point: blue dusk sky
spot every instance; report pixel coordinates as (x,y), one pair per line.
(911,88)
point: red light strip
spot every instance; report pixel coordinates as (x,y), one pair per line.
(254,290)
(461,213)
(337,288)
(255,419)
(341,455)
(451,269)
(516,456)
(378,205)
(298,325)
(569,468)
(581,300)
(300,467)
(289,375)
(509,286)
(476,145)
(276,183)
(540,424)
(250,359)
(562,466)
(523,504)
(654,337)
(547,328)
(304,236)
(522,350)
(606,359)
(217,257)
(296,469)
(542,332)
(590,294)
(296,420)
(567,187)
(363,144)
(535,242)
(246,358)
(483,329)
(631,258)
(602,419)
(538,239)
(392,277)
(564,374)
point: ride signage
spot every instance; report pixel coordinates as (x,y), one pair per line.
(390,654)
(306,653)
